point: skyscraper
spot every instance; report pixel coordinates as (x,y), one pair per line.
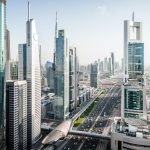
(16,115)
(22,61)
(122,64)
(133,49)
(133,90)
(105,65)
(61,76)
(2,64)
(112,64)
(73,79)
(14,70)
(55,38)
(40,49)
(7,55)
(94,75)
(33,78)
(109,66)
(50,75)
(101,66)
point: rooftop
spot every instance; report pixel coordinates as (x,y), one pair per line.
(134,83)
(136,122)
(132,127)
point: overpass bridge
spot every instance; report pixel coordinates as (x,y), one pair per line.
(89,134)
(64,129)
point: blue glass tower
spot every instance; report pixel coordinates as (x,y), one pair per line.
(2,62)
(61,76)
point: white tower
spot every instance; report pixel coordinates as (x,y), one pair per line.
(33,82)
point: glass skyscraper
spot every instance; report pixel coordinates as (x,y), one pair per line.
(61,76)
(22,61)
(2,62)
(93,75)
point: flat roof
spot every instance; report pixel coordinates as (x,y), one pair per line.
(135,122)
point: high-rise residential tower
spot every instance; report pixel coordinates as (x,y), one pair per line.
(133,90)
(61,81)
(33,77)
(2,64)
(16,115)
(22,61)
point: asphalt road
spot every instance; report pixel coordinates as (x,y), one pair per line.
(98,121)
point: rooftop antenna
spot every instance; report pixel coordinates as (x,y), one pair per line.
(28,10)
(133,16)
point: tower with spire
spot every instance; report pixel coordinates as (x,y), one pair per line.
(56,33)
(33,77)
(61,77)
(133,103)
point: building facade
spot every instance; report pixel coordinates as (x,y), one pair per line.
(112,64)
(33,77)
(130,134)
(14,70)
(133,91)
(22,61)
(94,75)
(16,115)
(7,76)
(2,64)
(109,66)
(73,79)
(105,65)
(50,75)
(61,81)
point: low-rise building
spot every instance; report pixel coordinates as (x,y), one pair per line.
(130,134)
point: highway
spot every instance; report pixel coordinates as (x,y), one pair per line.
(98,121)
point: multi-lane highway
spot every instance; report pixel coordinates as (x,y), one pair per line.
(98,121)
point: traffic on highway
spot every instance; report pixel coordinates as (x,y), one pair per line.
(98,121)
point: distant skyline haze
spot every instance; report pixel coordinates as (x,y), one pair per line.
(94,27)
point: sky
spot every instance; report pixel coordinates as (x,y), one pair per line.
(95,27)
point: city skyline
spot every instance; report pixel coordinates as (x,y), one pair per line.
(94,18)
(62,87)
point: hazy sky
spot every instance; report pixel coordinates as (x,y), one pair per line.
(95,27)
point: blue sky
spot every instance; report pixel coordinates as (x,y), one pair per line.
(95,27)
